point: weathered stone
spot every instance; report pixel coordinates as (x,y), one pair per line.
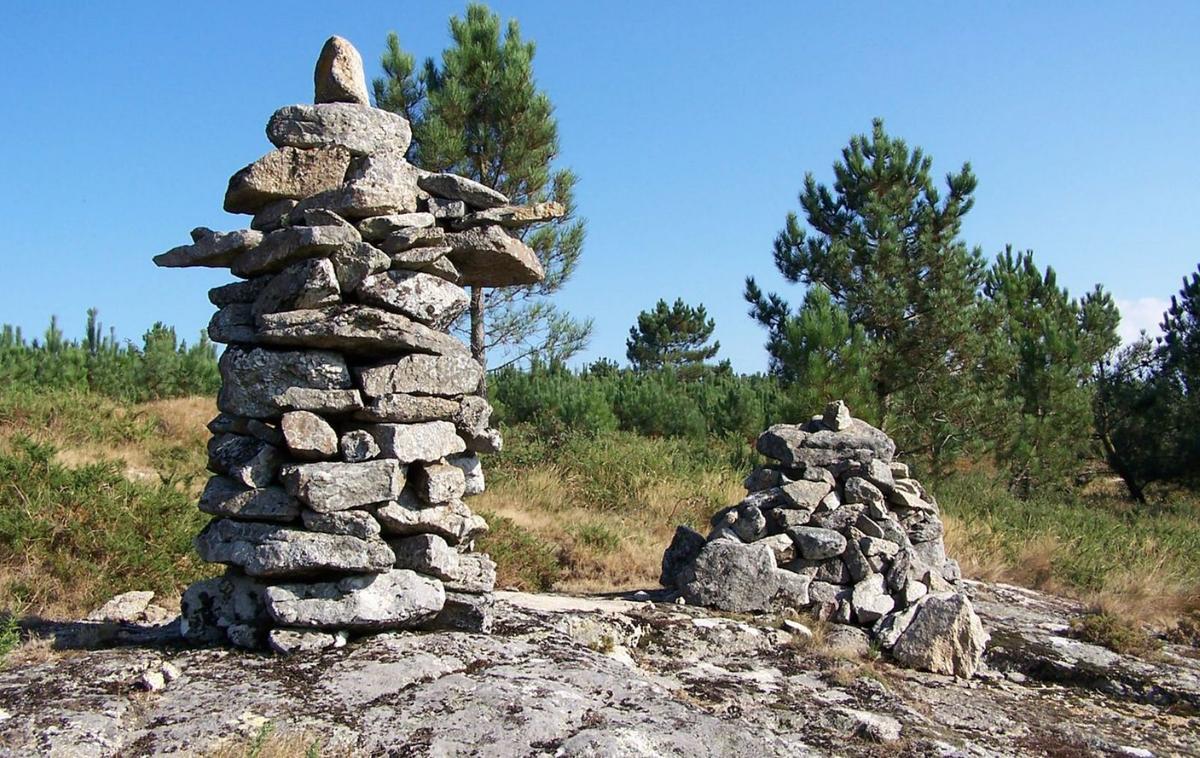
(453,522)
(856,561)
(804,494)
(880,474)
(223,496)
(907,493)
(791,589)
(377,228)
(685,546)
(267,550)
(750,525)
(357,446)
(338,77)
(353,523)
(309,437)
(859,490)
(490,257)
(430,554)
(290,244)
(837,416)
(817,544)
(125,608)
(360,129)
(764,478)
(858,442)
(465,612)
(730,576)
(327,487)
(452,373)
(781,545)
(473,482)
(847,641)
(456,187)
(354,329)
(779,520)
(273,216)
(225,423)
(261,383)
(474,415)
(246,460)
(354,263)
(377,185)
(394,599)
(488,441)
(898,470)
(210,249)
(321,402)
(447,209)
(299,641)
(438,483)
(287,173)
(210,607)
(871,600)
(233,324)
(402,408)
(827,597)
(422,297)
(944,637)
(871,727)
(513,216)
(237,292)
(307,284)
(406,443)
(415,244)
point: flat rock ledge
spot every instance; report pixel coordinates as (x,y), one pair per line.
(574,676)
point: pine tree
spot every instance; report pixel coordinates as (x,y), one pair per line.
(479,113)
(672,337)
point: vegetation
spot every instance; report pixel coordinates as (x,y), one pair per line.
(672,337)
(480,114)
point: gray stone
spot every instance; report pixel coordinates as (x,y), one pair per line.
(357,446)
(730,576)
(394,599)
(322,402)
(286,174)
(856,561)
(422,297)
(685,546)
(791,589)
(487,441)
(474,415)
(872,727)
(926,530)
(473,482)
(125,608)
(223,496)
(338,77)
(859,490)
(837,416)
(513,216)
(353,523)
(354,263)
(750,524)
(847,640)
(327,487)
(360,129)
(309,437)
(210,249)
(237,292)
(804,494)
(782,546)
(268,550)
(226,423)
(438,483)
(454,522)
(859,442)
(233,324)
(817,544)
(944,637)
(870,599)
(880,474)
(377,228)
(908,493)
(873,546)
(491,257)
(431,555)
(779,520)
(299,641)
(407,443)
(210,607)
(246,460)
(449,374)
(403,408)
(826,598)
(764,478)
(415,244)
(354,329)
(465,612)
(447,209)
(454,187)
(308,284)
(377,185)
(284,246)
(260,383)
(898,470)
(273,216)
(840,519)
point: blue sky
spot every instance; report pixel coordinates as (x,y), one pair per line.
(691,125)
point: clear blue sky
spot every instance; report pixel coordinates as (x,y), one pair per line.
(691,125)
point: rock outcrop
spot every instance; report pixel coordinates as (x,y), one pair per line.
(838,528)
(349,425)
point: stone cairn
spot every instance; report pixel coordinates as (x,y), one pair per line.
(837,528)
(349,422)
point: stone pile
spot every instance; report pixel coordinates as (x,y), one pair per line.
(349,422)
(837,528)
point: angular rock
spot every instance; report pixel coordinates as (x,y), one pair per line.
(804,494)
(351,523)
(438,483)
(309,437)
(944,637)
(872,727)
(360,129)
(246,460)
(415,244)
(210,607)
(261,383)
(817,544)
(321,402)
(407,443)
(422,297)
(430,554)
(730,576)
(779,520)
(473,482)
(338,77)
(210,249)
(126,608)
(223,496)
(354,329)
(487,441)
(290,244)
(490,257)
(513,216)
(857,442)
(273,216)
(448,374)
(827,597)
(308,284)
(880,474)
(299,641)
(836,416)
(354,263)
(268,550)
(870,599)
(380,184)
(454,522)
(685,546)
(781,545)
(287,173)
(357,446)
(237,292)
(394,599)
(454,187)
(447,209)
(764,478)
(233,324)
(791,589)
(859,490)
(377,228)
(465,612)
(402,408)
(327,487)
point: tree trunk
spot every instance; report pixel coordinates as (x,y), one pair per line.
(478,351)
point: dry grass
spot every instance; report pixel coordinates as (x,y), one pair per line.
(267,742)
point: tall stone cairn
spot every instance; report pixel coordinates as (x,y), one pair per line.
(349,423)
(835,527)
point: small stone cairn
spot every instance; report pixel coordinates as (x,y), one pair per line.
(837,528)
(349,422)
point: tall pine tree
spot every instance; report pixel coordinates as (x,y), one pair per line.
(479,113)
(672,337)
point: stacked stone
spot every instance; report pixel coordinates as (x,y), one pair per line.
(349,422)
(835,527)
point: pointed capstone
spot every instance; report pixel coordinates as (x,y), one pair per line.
(339,77)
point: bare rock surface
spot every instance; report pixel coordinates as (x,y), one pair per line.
(338,77)
(576,676)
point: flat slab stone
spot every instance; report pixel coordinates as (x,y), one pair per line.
(337,486)
(354,329)
(261,383)
(454,522)
(287,173)
(403,408)
(312,283)
(422,297)
(455,187)
(407,443)
(268,550)
(360,129)
(376,228)
(223,496)
(512,216)
(490,257)
(210,249)
(396,599)
(290,244)
(450,374)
